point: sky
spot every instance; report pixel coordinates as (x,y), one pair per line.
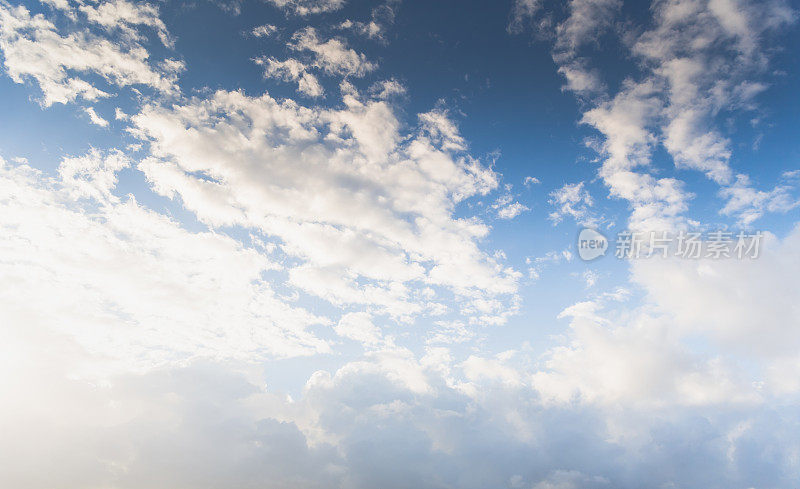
(344,244)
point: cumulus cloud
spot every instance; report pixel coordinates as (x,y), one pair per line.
(749,204)
(331,57)
(307,7)
(358,326)
(572,200)
(389,420)
(124,16)
(110,283)
(62,60)
(625,122)
(741,312)
(292,70)
(367,211)
(264,30)
(511,210)
(381,18)
(387,89)
(641,362)
(94,118)
(507,208)
(648,353)
(531,181)
(697,59)
(130,284)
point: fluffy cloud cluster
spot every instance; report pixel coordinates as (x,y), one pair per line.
(390,420)
(572,200)
(331,57)
(306,7)
(695,59)
(364,211)
(507,207)
(381,18)
(64,60)
(130,284)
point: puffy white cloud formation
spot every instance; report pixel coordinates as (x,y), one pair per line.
(136,329)
(130,284)
(507,208)
(264,30)
(572,200)
(390,420)
(292,70)
(62,60)
(381,18)
(331,57)
(694,60)
(366,211)
(306,7)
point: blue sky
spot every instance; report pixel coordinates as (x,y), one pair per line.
(333,243)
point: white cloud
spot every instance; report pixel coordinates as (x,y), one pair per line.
(791,174)
(700,80)
(522,11)
(511,210)
(749,204)
(62,60)
(94,117)
(387,89)
(381,18)
(531,181)
(538,264)
(657,203)
(358,326)
(744,306)
(306,7)
(292,70)
(331,56)
(638,362)
(131,285)
(580,80)
(572,200)
(362,425)
(586,19)
(698,58)
(450,332)
(129,340)
(366,210)
(491,369)
(123,15)
(508,209)
(264,30)
(371,29)
(689,343)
